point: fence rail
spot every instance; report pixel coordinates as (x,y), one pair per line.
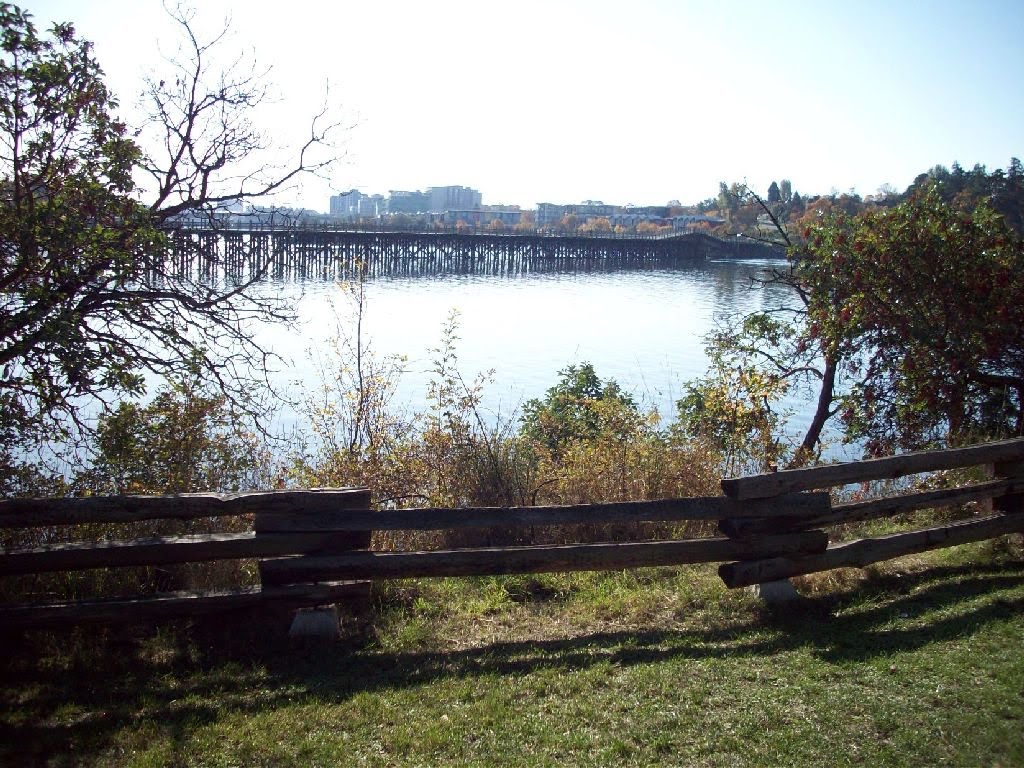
(313,546)
(1006,459)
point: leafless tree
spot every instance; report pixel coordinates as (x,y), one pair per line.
(92,306)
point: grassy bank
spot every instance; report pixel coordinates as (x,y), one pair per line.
(915,665)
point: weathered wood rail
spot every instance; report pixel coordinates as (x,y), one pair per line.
(313,546)
(51,515)
(1005,461)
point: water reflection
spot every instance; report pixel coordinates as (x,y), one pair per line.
(643,325)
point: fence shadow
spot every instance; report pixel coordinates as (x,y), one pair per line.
(202,672)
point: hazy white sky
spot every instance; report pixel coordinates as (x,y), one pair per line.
(626,102)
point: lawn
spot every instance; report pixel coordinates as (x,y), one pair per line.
(916,664)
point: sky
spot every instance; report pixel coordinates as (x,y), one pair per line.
(638,102)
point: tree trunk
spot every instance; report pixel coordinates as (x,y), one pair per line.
(821,414)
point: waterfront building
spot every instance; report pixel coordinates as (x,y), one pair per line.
(346,204)
(688,222)
(550,214)
(508,215)
(453,198)
(437,200)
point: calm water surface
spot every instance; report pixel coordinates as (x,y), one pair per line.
(643,327)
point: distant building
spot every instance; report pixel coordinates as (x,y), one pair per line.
(651,211)
(436,200)
(631,219)
(509,215)
(689,222)
(372,206)
(550,214)
(356,205)
(452,204)
(346,204)
(453,198)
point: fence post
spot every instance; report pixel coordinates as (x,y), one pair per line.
(1011,502)
(321,511)
(773,593)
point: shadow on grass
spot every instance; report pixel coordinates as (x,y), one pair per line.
(73,703)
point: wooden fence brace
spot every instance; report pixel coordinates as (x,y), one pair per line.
(1013,501)
(796,518)
(341,539)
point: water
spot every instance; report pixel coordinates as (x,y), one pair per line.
(643,327)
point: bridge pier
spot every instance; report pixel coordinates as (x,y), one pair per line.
(286,253)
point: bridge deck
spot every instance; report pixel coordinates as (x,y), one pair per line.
(338,253)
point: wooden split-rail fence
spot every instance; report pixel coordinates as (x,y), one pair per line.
(312,547)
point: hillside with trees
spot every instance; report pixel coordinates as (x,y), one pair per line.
(746,213)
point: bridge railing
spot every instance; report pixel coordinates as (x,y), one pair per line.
(257,226)
(313,547)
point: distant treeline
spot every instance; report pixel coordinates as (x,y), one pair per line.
(1002,190)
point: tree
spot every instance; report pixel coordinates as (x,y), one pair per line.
(906,321)
(728,201)
(208,152)
(731,408)
(89,306)
(707,204)
(774,195)
(575,409)
(927,303)
(1003,190)
(755,361)
(569,223)
(598,225)
(796,206)
(1009,200)
(527,222)
(786,191)
(73,238)
(182,440)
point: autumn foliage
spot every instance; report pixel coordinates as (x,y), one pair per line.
(926,304)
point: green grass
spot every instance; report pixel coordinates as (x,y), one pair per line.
(916,665)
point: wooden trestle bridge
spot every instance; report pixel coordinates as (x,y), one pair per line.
(307,253)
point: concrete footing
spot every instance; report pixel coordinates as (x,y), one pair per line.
(776,592)
(321,622)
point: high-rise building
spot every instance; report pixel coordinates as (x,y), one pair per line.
(453,199)
(346,204)
(355,204)
(372,206)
